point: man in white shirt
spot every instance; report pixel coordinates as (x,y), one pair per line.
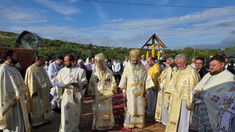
(193,63)
(46,66)
(125,62)
(116,67)
(143,60)
(92,63)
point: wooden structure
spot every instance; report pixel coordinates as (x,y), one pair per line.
(154,38)
(25,56)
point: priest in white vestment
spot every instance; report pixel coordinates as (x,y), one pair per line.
(53,70)
(102,86)
(134,83)
(70,82)
(38,84)
(181,87)
(163,99)
(208,95)
(13,109)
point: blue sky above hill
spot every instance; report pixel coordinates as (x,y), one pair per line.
(129,23)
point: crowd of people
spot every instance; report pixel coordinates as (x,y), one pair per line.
(184,97)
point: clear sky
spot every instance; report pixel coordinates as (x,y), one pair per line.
(124,23)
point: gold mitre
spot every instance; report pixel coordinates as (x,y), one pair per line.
(100,59)
(135,54)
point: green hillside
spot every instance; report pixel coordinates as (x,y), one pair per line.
(7,39)
(50,49)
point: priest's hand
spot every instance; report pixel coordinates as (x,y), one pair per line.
(197,94)
(159,80)
(74,84)
(66,86)
(93,96)
(113,91)
(187,107)
(124,95)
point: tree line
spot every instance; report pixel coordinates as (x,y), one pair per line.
(50,49)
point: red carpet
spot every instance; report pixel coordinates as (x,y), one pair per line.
(118,111)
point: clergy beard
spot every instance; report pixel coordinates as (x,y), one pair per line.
(136,66)
(100,72)
(69,66)
(216,72)
(14,61)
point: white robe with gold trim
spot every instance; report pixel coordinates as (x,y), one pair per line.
(71,97)
(39,106)
(180,88)
(135,82)
(163,103)
(102,85)
(13,110)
